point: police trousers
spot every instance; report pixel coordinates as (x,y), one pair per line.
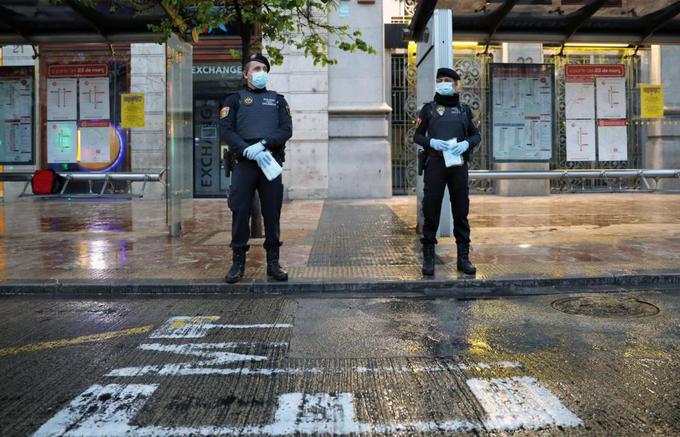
(437,178)
(245,179)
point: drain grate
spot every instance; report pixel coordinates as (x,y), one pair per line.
(605,306)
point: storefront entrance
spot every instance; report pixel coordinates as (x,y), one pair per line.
(212,83)
(209,175)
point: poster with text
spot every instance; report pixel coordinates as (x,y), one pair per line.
(580,140)
(94,98)
(522,112)
(95,144)
(16,99)
(580,100)
(611,97)
(612,140)
(62,142)
(62,97)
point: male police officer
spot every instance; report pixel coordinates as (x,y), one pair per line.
(253,121)
(439,122)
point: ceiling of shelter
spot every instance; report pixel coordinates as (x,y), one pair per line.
(611,8)
(39,21)
(559,20)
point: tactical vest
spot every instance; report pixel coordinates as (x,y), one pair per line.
(448,122)
(258,114)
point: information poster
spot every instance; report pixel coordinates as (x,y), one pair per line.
(611,97)
(651,101)
(580,140)
(595,98)
(132,110)
(95,142)
(94,98)
(62,142)
(62,101)
(612,140)
(16,115)
(522,111)
(580,100)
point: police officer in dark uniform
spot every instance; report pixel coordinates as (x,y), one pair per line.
(441,120)
(252,121)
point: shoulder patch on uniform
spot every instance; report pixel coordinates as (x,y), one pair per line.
(224,111)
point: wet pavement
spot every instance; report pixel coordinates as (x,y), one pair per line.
(559,240)
(574,364)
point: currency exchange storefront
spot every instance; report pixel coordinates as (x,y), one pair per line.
(212,83)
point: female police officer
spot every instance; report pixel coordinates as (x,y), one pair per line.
(440,121)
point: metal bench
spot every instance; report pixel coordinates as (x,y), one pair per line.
(106,178)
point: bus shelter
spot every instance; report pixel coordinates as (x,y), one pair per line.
(558,85)
(89,92)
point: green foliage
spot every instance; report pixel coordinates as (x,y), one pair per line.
(300,24)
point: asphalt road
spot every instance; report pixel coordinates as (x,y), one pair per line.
(579,364)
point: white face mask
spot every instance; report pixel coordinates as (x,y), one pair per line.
(445,88)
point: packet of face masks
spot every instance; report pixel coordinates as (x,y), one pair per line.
(451,160)
(273,170)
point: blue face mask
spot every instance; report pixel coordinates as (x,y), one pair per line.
(259,79)
(445,88)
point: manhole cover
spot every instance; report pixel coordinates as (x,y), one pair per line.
(605,306)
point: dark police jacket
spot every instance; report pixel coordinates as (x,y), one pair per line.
(249,116)
(443,119)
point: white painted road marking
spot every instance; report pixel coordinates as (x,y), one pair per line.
(520,402)
(212,358)
(108,410)
(509,403)
(198,327)
(100,411)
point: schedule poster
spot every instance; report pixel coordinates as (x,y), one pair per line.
(612,140)
(522,111)
(62,97)
(95,142)
(62,142)
(94,98)
(16,114)
(580,140)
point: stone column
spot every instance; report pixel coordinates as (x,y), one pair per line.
(305,87)
(359,153)
(522,53)
(662,148)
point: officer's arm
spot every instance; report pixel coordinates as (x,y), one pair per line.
(228,133)
(474,137)
(421,138)
(284,131)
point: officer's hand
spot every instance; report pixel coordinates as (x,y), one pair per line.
(251,151)
(460,148)
(263,159)
(440,145)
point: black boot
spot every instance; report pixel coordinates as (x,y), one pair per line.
(464,264)
(273,267)
(238,266)
(428,259)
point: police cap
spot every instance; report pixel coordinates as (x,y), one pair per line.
(448,72)
(259,58)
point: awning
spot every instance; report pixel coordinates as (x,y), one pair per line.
(39,21)
(556,21)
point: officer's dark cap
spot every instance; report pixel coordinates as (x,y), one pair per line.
(448,72)
(259,58)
